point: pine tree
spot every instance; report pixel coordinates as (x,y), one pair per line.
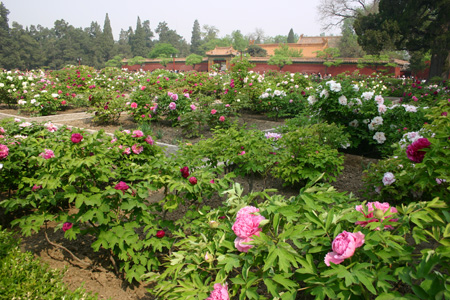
(137,42)
(291,36)
(5,38)
(196,39)
(107,40)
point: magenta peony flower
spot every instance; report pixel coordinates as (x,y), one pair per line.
(193,180)
(4,151)
(67,226)
(160,234)
(220,292)
(213,111)
(193,107)
(137,133)
(76,138)
(184,172)
(122,186)
(134,105)
(414,152)
(344,246)
(36,187)
(377,208)
(47,154)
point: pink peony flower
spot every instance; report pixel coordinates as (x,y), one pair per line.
(172,105)
(134,105)
(76,138)
(160,234)
(127,151)
(344,246)
(142,87)
(193,180)
(2,130)
(222,119)
(4,151)
(63,102)
(174,97)
(36,187)
(377,208)
(220,292)
(241,243)
(47,154)
(213,111)
(137,133)
(247,210)
(67,226)
(137,149)
(193,107)
(149,140)
(414,152)
(247,225)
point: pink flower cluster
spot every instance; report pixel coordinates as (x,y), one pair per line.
(220,292)
(376,211)
(344,246)
(67,226)
(137,133)
(4,151)
(47,154)
(245,226)
(76,138)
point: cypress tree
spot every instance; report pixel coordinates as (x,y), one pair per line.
(107,40)
(291,36)
(196,38)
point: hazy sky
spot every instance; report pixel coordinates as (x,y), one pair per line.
(274,17)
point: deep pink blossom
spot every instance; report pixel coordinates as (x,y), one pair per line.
(134,105)
(160,234)
(213,111)
(122,186)
(246,226)
(36,187)
(414,151)
(4,151)
(222,119)
(76,138)
(220,292)
(67,226)
(344,246)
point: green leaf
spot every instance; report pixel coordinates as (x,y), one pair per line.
(287,283)
(271,287)
(364,279)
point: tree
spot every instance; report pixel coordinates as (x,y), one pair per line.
(196,39)
(137,40)
(116,61)
(329,56)
(211,44)
(333,12)
(169,36)
(5,38)
(256,51)
(279,60)
(258,36)
(284,50)
(209,33)
(239,42)
(415,25)
(291,36)
(193,60)
(107,40)
(162,50)
(348,44)
(123,45)
(137,60)
(278,39)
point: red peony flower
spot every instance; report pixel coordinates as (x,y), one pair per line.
(193,180)
(184,172)
(414,152)
(122,186)
(76,138)
(160,234)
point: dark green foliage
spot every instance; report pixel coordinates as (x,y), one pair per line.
(291,36)
(196,39)
(256,51)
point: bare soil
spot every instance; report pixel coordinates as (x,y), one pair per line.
(102,279)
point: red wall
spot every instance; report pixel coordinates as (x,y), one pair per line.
(261,67)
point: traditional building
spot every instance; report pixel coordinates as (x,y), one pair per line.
(309,45)
(221,56)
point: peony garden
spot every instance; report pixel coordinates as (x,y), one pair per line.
(231,240)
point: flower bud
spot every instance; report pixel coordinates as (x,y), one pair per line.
(213,224)
(209,258)
(378,213)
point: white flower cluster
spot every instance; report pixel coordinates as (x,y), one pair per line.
(379,137)
(334,86)
(375,123)
(273,135)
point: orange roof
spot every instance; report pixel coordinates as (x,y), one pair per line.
(221,51)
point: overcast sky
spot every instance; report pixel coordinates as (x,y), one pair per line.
(273,17)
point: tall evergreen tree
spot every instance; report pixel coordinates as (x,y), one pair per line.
(5,38)
(348,44)
(196,39)
(137,41)
(107,40)
(291,36)
(124,45)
